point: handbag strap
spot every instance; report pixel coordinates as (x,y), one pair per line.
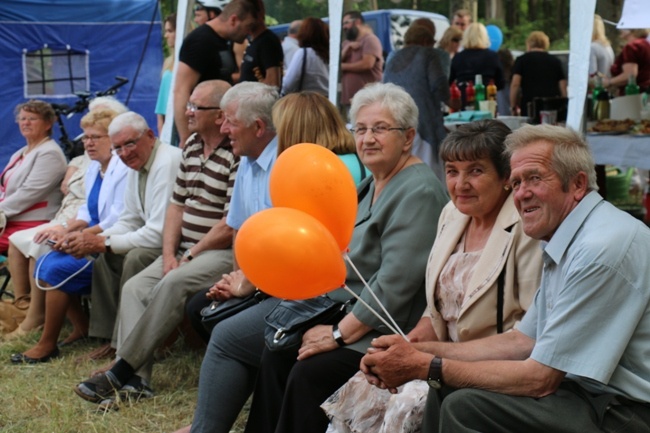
(304,67)
(38,270)
(500,295)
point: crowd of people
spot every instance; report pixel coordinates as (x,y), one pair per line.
(521,293)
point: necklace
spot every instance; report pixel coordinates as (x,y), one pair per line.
(26,151)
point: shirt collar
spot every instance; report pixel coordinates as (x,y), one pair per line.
(563,236)
(268,155)
(147,166)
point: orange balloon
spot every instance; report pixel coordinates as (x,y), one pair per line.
(311,178)
(288,254)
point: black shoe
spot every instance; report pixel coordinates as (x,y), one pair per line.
(136,389)
(98,388)
(21,358)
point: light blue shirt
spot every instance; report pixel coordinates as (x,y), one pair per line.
(591,315)
(251,193)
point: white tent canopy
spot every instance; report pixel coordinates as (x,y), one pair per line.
(634,15)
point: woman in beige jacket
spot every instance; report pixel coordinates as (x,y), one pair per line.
(482,274)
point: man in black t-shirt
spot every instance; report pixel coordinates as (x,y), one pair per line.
(263,57)
(206,54)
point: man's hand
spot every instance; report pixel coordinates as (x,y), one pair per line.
(80,244)
(169,263)
(392,361)
(317,340)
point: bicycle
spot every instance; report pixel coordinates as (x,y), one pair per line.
(73,147)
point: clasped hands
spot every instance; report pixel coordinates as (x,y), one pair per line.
(392,361)
(232,285)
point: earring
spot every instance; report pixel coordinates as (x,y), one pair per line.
(506,187)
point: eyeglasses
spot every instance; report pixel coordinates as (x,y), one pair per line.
(192,107)
(28,119)
(377,131)
(129,145)
(93,138)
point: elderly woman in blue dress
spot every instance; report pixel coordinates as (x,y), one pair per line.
(63,276)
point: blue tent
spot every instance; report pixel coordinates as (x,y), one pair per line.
(50,49)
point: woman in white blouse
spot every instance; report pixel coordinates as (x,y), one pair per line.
(309,67)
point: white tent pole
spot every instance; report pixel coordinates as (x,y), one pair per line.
(181,19)
(335,16)
(580,26)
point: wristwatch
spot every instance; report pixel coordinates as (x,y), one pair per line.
(188,255)
(336,334)
(434,379)
(107,244)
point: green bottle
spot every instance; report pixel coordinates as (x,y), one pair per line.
(632,88)
(598,89)
(479,91)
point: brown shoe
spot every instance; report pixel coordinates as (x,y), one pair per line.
(105,351)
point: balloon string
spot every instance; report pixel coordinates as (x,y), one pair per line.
(396,329)
(373,311)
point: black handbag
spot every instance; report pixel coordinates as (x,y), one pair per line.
(218,311)
(289,320)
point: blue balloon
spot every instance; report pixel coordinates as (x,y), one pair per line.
(496,37)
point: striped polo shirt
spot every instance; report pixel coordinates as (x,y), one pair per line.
(203,188)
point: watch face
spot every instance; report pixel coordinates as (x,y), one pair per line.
(435,384)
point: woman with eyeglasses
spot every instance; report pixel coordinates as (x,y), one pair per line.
(399,206)
(63,277)
(29,184)
(450,41)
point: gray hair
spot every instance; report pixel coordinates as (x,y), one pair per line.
(109,103)
(476,140)
(571,153)
(130,118)
(254,101)
(390,96)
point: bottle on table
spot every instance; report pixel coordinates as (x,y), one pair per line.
(479,91)
(601,110)
(598,88)
(454,98)
(470,96)
(491,91)
(632,88)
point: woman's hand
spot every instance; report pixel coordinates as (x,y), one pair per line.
(317,340)
(423,331)
(232,285)
(54,232)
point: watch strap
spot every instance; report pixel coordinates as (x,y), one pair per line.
(336,334)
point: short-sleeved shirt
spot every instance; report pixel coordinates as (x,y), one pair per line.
(252,193)
(209,54)
(203,188)
(541,74)
(264,52)
(352,82)
(591,315)
(637,51)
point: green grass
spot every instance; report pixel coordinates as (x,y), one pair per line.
(40,398)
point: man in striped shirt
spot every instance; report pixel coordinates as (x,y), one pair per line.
(197,246)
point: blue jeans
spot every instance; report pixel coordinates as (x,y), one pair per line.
(230,367)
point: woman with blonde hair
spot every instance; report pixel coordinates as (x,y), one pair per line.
(309,117)
(450,41)
(476,59)
(538,74)
(601,54)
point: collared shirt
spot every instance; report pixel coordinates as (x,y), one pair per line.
(251,193)
(143,173)
(203,187)
(591,315)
